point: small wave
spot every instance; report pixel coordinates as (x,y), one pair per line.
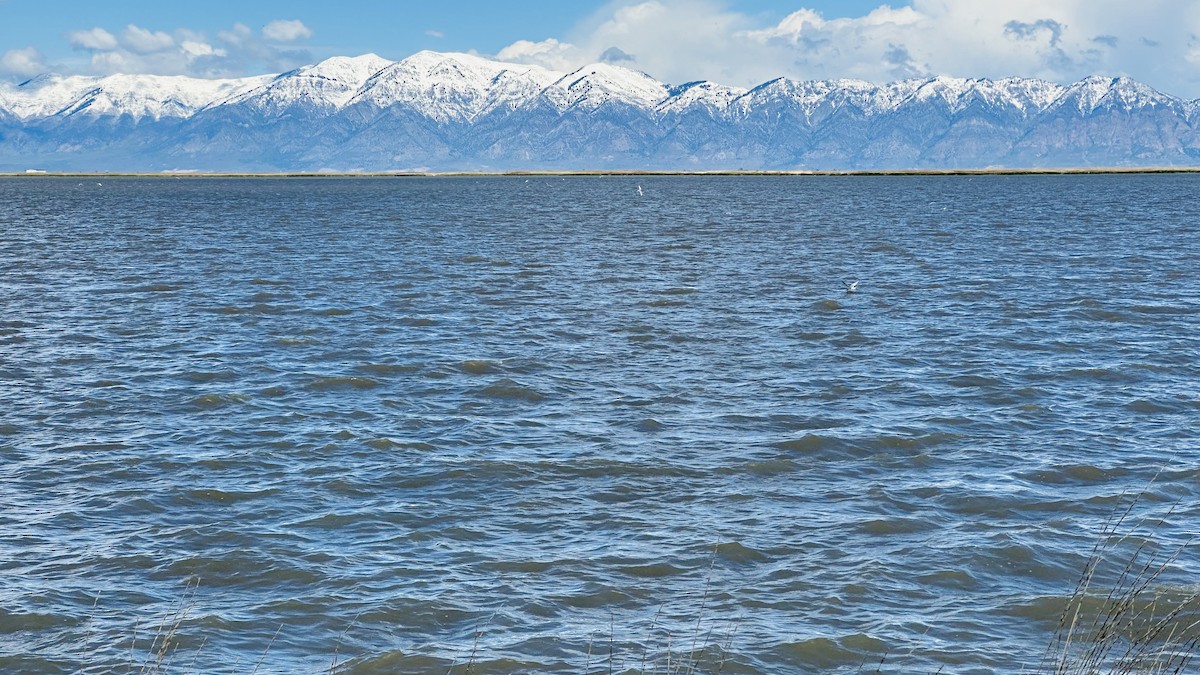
(956,579)
(652,570)
(1100,314)
(417,321)
(819,652)
(334,311)
(156,288)
(388,368)
(1063,474)
(477,366)
(827,305)
(269,282)
(889,526)
(215,496)
(1163,309)
(772,467)
(739,554)
(528,566)
(385,443)
(915,441)
(810,443)
(1044,609)
(1143,405)
(106,384)
(219,400)
(256,308)
(510,390)
(861,642)
(1102,374)
(853,339)
(478,259)
(342,382)
(203,376)
(649,425)
(663,303)
(967,381)
(17,622)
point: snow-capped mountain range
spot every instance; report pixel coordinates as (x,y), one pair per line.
(441,112)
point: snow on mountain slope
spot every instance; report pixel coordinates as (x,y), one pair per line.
(460,111)
(592,86)
(1029,96)
(703,94)
(1121,93)
(138,96)
(811,96)
(327,86)
(1026,94)
(452,86)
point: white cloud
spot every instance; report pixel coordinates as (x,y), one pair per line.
(548,53)
(286,30)
(142,41)
(195,49)
(237,51)
(236,35)
(435,33)
(1155,41)
(23,62)
(96,38)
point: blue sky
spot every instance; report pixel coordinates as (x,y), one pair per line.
(385,27)
(736,42)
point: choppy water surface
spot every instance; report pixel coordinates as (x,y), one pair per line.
(550,424)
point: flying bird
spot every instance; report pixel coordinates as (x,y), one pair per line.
(851,287)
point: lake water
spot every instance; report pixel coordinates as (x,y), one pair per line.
(561,424)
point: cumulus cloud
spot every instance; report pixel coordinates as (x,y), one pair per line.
(1155,41)
(235,51)
(286,30)
(96,39)
(549,53)
(23,62)
(238,34)
(142,41)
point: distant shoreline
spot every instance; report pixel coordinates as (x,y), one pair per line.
(602,173)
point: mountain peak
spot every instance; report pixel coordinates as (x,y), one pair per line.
(595,84)
(350,67)
(452,86)
(1098,91)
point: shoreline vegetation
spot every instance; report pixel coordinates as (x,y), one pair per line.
(33,173)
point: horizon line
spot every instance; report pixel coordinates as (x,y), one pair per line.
(600,173)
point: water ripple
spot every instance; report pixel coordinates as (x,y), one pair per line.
(413,424)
